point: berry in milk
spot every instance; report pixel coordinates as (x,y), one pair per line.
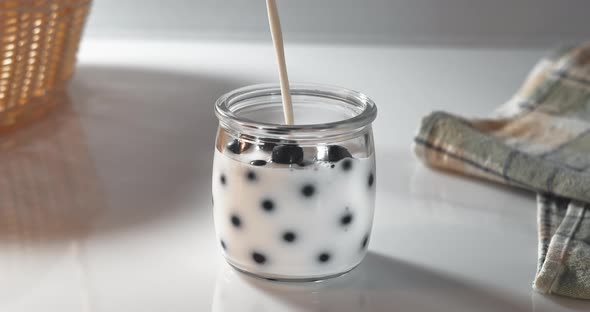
(290,212)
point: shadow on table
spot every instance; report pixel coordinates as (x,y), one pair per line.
(450,195)
(380,283)
(550,303)
(134,146)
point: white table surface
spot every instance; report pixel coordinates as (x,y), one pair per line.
(109,198)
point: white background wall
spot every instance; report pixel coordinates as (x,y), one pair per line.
(438,22)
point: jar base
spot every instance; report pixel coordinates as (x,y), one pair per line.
(283,279)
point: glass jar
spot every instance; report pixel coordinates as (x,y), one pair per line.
(294,202)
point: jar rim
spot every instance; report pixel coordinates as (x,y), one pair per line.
(367,112)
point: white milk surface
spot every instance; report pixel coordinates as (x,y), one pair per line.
(330,228)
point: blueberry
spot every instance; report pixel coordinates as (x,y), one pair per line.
(305,163)
(251,176)
(324,257)
(268,205)
(268,144)
(258,163)
(336,153)
(289,237)
(235,220)
(308,190)
(365,241)
(267,147)
(347,164)
(258,257)
(287,154)
(237,147)
(346,219)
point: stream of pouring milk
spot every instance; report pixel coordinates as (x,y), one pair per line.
(277,39)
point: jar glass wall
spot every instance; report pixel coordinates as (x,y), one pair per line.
(294,202)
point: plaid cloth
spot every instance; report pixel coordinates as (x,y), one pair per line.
(539,140)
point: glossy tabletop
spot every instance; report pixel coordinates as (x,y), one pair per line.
(106,204)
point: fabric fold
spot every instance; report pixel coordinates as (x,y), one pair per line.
(540,141)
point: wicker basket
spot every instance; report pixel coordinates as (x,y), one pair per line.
(38,44)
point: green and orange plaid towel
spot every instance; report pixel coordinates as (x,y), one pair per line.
(539,140)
